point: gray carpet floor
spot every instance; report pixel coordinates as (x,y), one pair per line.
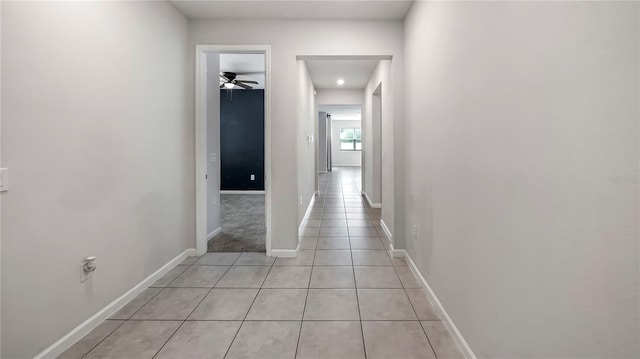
(243,224)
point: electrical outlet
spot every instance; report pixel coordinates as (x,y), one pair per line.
(415,232)
(301,200)
(87,267)
(253,177)
(4,179)
(213,157)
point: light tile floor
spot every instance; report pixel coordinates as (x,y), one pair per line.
(342,297)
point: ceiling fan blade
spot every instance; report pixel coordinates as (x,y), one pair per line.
(246,87)
(247,81)
(229,75)
(224,78)
(222,86)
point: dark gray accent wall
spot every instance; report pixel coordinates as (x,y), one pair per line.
(242,140)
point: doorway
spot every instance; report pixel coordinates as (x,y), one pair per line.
(240,226)
(375,199)
(339,137)
(340,143)
(233,142)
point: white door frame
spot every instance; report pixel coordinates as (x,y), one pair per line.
(201,137)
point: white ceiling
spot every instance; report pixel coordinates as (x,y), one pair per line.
(342,112)
(355,73)
(247,66)
(295,9)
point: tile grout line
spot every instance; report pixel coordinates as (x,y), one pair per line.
(304,309)
(344,210)
(416,313)
(136,311)
(247,314)
(290,320)
(355,284)
(196,306)
(103,339)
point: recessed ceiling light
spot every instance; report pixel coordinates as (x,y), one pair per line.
(340,82)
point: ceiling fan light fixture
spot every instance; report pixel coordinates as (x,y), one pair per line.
(228,85)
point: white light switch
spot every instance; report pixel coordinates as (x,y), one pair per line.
(213,157)
(253,177)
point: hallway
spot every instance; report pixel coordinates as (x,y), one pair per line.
(501,139)
(342,297)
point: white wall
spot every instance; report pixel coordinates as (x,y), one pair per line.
(343,158)
(214,220)
(213,142)
(97,123)
(289,38)
(522,173)
(322,140)
(374,190)
(0,166)
(306,147)
(390,159)
(339,97)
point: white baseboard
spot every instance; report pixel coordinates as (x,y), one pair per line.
(371,204)
(88,325)
(291,253)
(214,233)
(309,207)
(285,253)
(386,230)
(453,330)
(351,165)
(242,192)
(388,244)
(396,253)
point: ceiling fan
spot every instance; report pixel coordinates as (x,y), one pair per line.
(229,81)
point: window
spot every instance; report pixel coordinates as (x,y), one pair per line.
(350,139)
